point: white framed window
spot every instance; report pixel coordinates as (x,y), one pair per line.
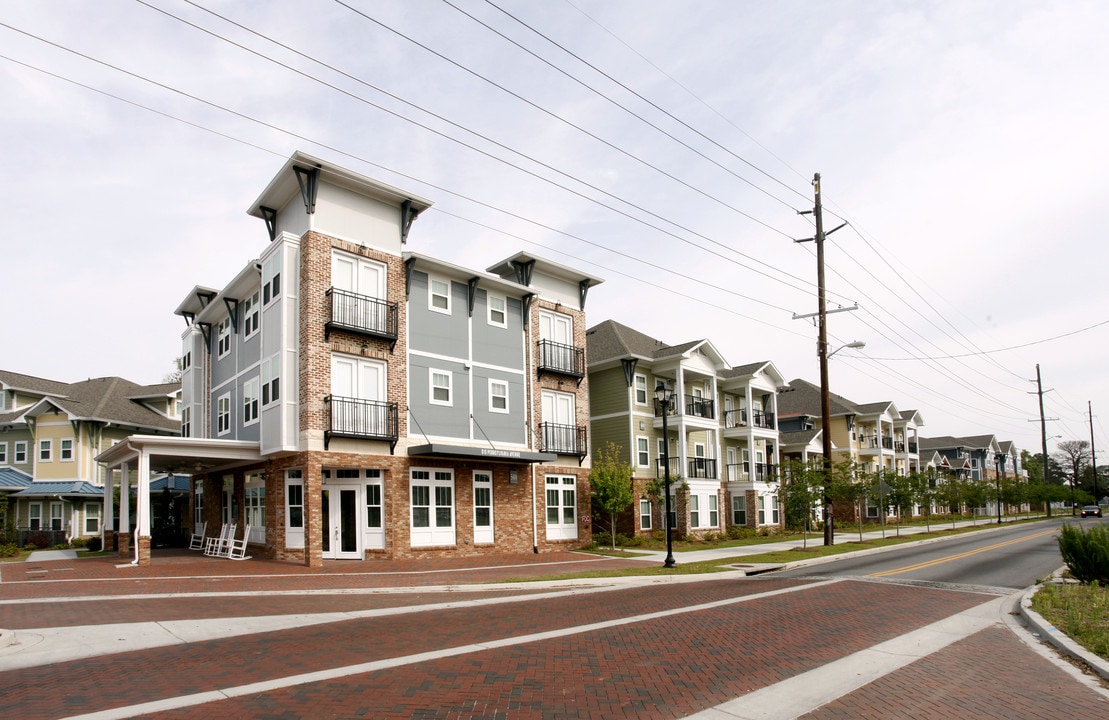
(198,505)
(432,514)
(439,295)
(250,316)
(642,452)
(774,519)
(271,279)
(483,507)
(294,500)
(187,360)
(498,314)
(65,449)
(374,516)
(20,452)
(714,511)
(562,507)
(56,516)
(498,396)
(223,337)
(250,401)
(739,510)
(254,505)
(46,450)
(271,380)
(440,384)
(694,511)
(34,516)
(3,453)
(186,421)
(762,509)
(645,514)
(223,414)
(92,518)
(640,389)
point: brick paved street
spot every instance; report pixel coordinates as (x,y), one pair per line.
(432,648)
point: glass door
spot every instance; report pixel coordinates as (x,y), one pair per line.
(339,507)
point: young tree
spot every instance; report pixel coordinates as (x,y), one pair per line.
(802,485)
(923,493)
(901,496)
(611,482)
(1074,457)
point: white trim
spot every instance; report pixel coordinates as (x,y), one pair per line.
(223,332)
(3,453)
(468,361)
(431,294)
(489,298)
(48,445)
(483,534)
(220,415)
(646,390)
(493,395)
(251,394)
(252,308)
(431,534)
(431,387)
(72,450)
(639,452)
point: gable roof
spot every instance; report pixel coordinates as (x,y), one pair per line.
(12,479)
(610,339)
(803,398)
(106,399)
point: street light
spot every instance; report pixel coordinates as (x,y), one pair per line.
(664,394)
(855,345)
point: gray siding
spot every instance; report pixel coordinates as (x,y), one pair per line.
(431,331)
(438,420)
(499,426)
(493,344)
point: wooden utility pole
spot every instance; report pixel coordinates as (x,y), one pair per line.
(1043,438)
(1093,453)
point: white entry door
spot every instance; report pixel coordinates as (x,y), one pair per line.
(483,508)
(341,529)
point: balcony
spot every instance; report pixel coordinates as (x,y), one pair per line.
(562,359)
(913,447)
(700,407)
(562,439)
(362,315)
(743,418)
(362,420)
(702,468)
(695,407)
(873,442)
(675,467)
(765,472)
(762,419)
(736,472)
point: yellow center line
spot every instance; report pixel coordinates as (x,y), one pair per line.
(937,561)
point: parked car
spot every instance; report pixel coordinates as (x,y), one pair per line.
(1091,511)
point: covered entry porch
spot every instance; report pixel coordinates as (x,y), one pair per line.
(140,457)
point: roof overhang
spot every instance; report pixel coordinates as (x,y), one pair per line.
(480,453)
(186,455)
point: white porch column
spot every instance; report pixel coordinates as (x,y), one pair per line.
(125,499)
(109,508)
(142,508)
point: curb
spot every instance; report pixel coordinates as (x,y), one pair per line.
(1046,632)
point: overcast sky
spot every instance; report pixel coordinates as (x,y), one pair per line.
(663,146)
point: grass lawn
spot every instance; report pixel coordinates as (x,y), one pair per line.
(1079,611)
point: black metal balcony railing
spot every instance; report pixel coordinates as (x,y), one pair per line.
(700,467)
(762,419)
(912,446)
(887,443)
(363,419)
(735,472)
(735,418)
(765,472)
(561,358)
(362,315)
(899,446)
(675,468)
(562,439)
(700,407)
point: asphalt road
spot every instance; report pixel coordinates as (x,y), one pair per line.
(1012,557)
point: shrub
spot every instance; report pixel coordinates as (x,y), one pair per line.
(602,539)
(79,543)
(1086,552)
(738,532)
(61,546)
(9,550)
(38,541)
(93,544)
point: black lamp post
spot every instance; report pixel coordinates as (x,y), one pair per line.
(997,478)
(664,395)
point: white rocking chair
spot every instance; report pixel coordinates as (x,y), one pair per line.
(238,547)
(219,547)
(196,540)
